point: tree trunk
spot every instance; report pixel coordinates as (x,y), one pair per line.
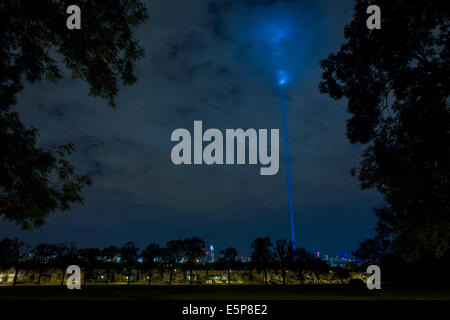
(299,276)
(265,276)
(284,277)
(107,275)
(229,276)
(129,276)
(39,278)
(63,275)
(150,276)
(15,276)
(171,275)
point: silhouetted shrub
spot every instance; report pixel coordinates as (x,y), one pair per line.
(356,282)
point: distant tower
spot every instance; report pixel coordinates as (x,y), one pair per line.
(211,249)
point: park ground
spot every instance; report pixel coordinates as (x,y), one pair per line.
(222,292)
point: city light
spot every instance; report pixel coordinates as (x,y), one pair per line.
(282,77)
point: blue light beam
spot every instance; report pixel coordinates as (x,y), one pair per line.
(282,78)
(282,83)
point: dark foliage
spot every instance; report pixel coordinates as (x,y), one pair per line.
(371,251)
(396,81)
(36,45)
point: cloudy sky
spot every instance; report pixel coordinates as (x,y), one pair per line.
(214,61)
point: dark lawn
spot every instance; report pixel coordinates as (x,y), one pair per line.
(219,292)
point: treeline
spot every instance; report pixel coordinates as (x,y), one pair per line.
(184,254)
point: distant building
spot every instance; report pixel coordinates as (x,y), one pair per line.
(211,248)
(210,256)
(340,261)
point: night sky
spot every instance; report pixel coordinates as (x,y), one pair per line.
(216,64)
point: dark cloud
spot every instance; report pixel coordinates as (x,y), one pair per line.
(203,64)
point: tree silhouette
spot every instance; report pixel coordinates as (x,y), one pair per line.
(184,254)
(262,255)
(228,258)
(35,182)
(284,256)
(317,265)
(12,254)
(109,257)
(66,255)
(342,273)
(300,262)
(371,251)
(168,262)
(396,81)
(44,256)
(172,254)
(128,257)
(89,260)
(149,255)
(194,250)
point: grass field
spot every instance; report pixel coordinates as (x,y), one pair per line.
(223,292)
